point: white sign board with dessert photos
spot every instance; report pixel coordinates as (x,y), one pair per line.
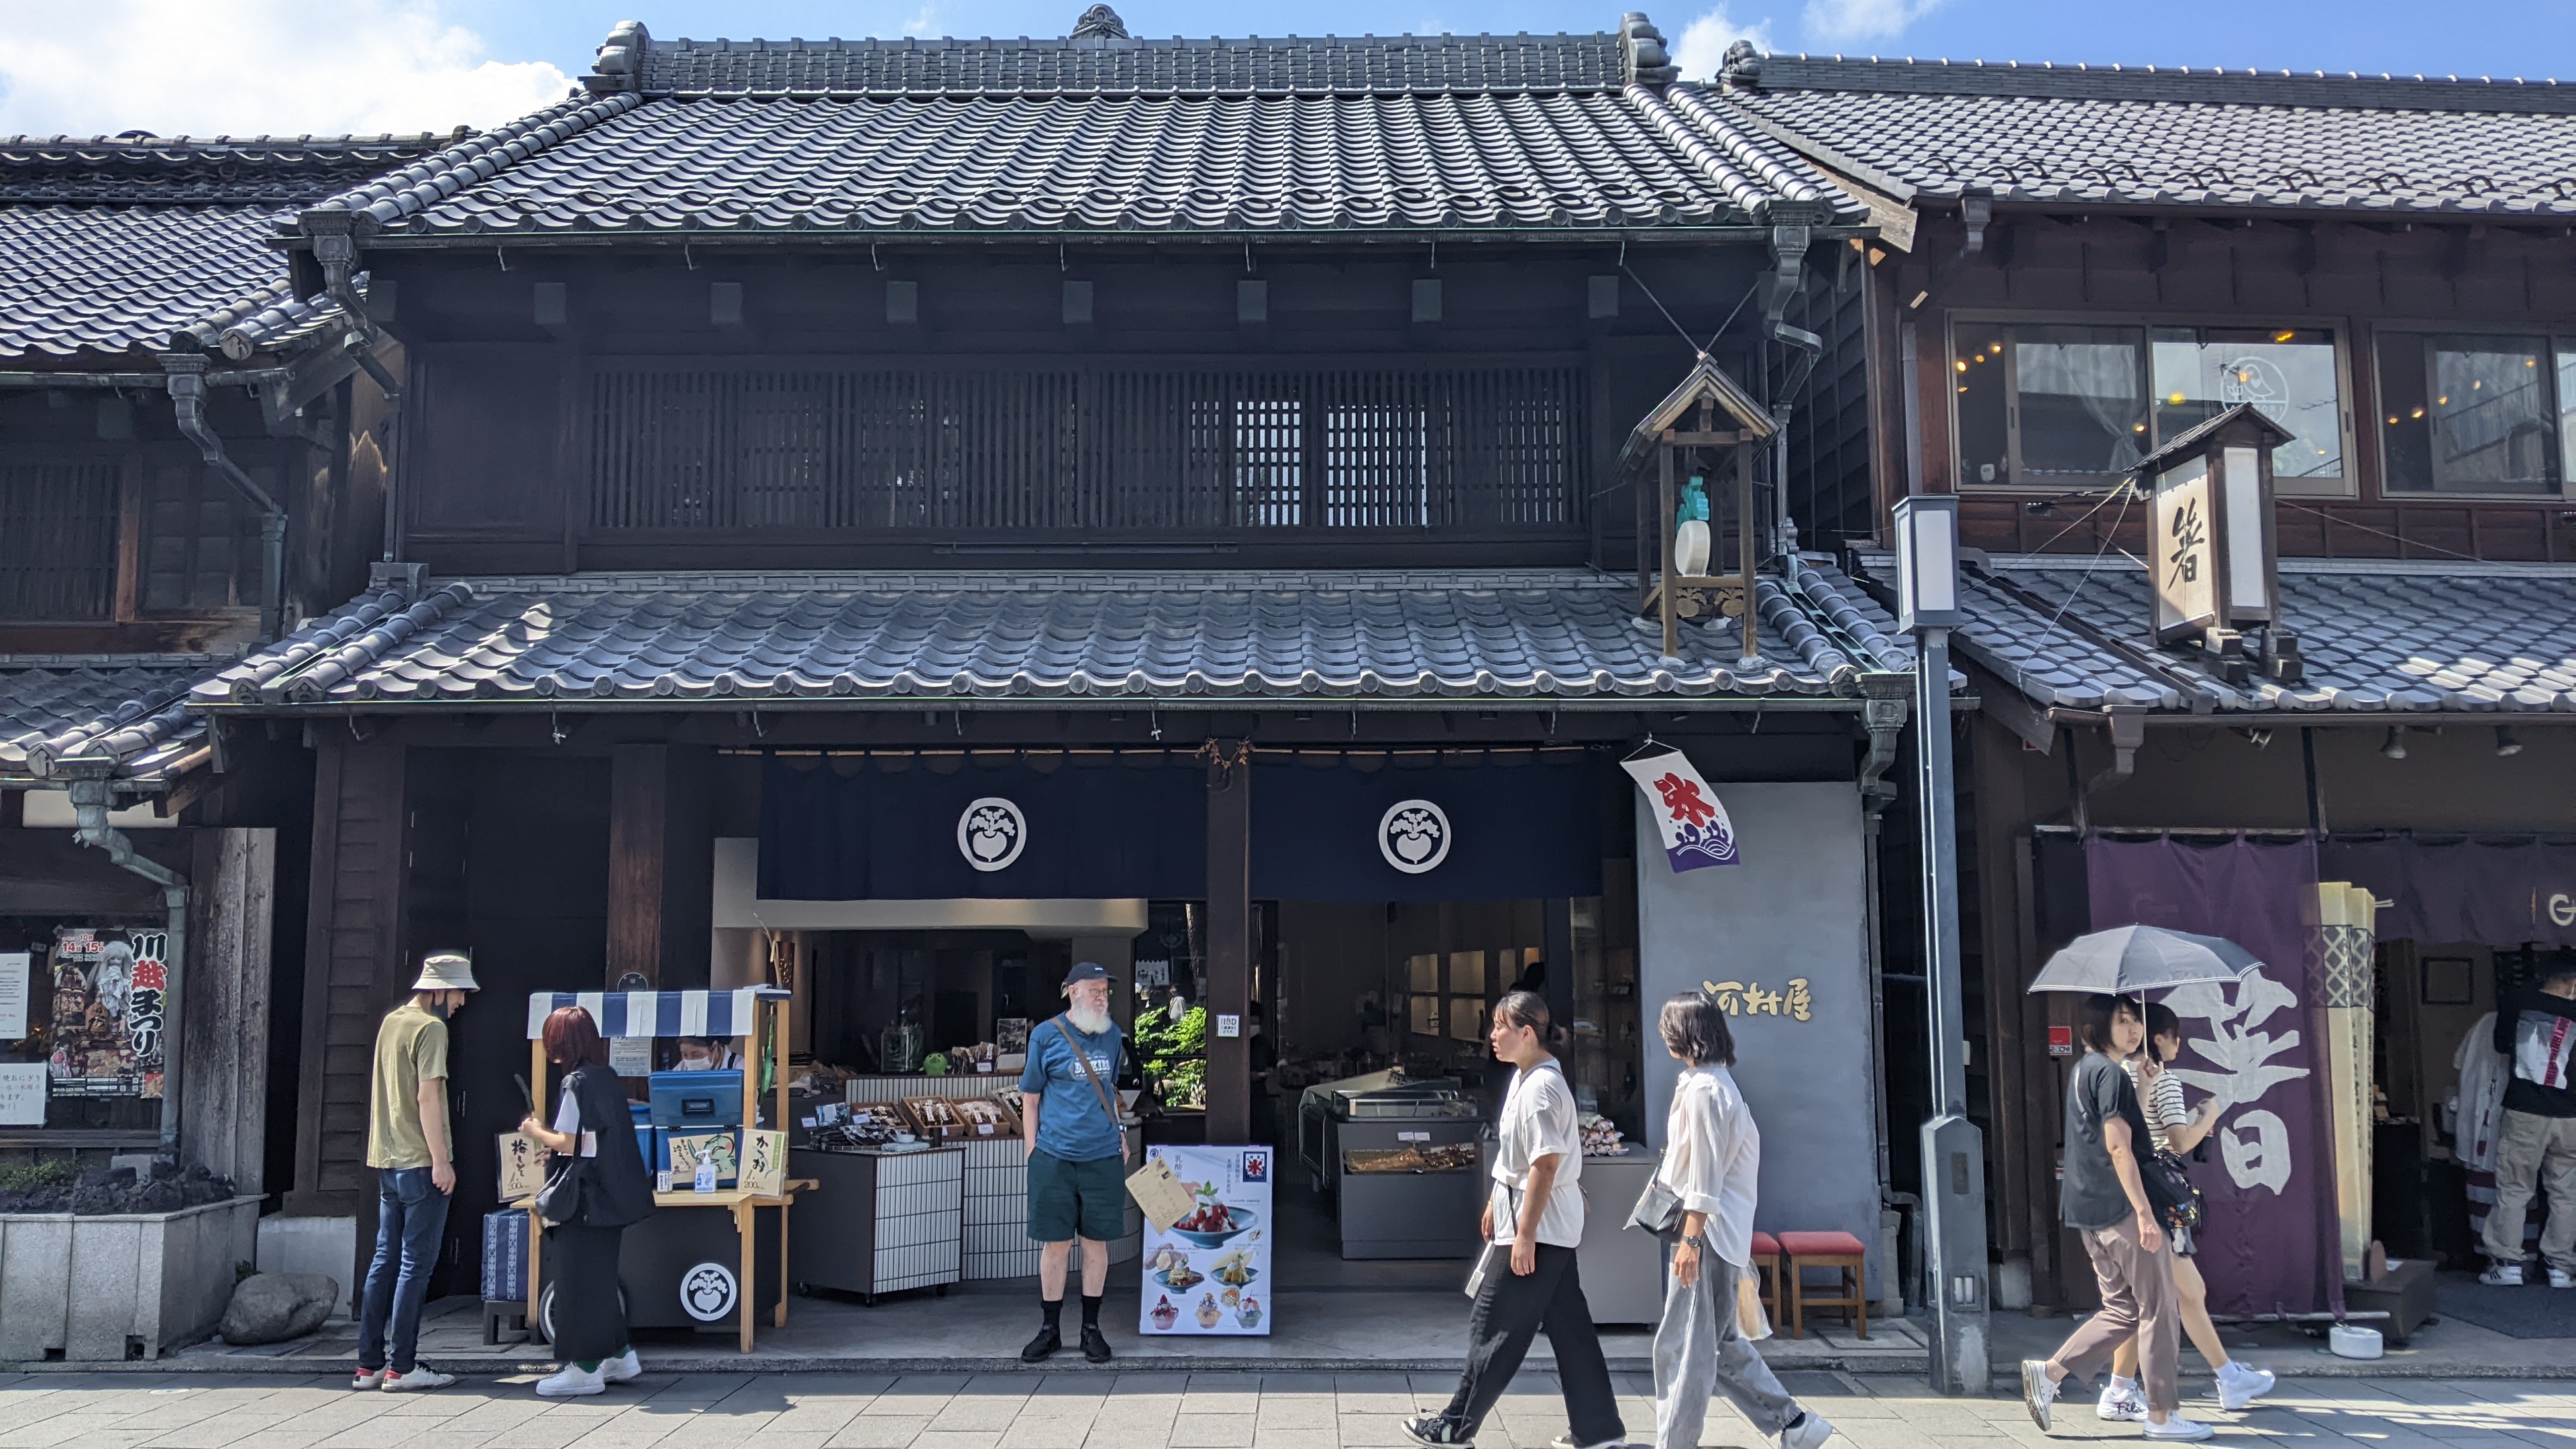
(1208,1275)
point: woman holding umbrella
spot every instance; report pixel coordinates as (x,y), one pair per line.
(2103,1190)
(2177,1131)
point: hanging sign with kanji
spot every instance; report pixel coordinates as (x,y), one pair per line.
(1695,828)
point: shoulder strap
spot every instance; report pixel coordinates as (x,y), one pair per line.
(1064,1029)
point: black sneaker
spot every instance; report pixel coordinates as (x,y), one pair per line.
(1095,1344)
(1047,1342)
(1437,1431)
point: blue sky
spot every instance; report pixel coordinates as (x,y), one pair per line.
(239,67)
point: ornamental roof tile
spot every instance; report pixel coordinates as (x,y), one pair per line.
(728,640)
(2196,138)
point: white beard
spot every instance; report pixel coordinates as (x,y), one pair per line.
(1089,1022)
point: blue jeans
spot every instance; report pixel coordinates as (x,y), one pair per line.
(411,1217)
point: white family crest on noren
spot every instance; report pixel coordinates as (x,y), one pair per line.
(707,1292)
(2254,1144)
(1413,835)
(991,832)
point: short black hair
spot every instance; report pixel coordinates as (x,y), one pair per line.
(1696,1031)
(2093,1020)
(2557,966)
(2161,1022)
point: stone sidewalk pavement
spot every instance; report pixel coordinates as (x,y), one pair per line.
(1144,1410)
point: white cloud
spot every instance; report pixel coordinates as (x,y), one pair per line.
(246,67)
(1830,23)
(920,23)
(1703,43)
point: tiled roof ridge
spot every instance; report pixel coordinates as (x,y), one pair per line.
(1292,64)
(2204,85)
(993,581)
(269,318)
(397,194)
(198,171)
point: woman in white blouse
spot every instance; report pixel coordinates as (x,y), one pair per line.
(1712,1158)
(1534,1220)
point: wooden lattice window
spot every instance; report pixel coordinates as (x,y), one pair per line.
(1497,449)
(58,541)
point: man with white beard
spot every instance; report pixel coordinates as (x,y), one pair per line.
(1077,1154)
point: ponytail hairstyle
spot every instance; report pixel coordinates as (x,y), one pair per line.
(2161,1022)
(1529,1009)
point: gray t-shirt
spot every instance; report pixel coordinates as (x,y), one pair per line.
(2089,1195)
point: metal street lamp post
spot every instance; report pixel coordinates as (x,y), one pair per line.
(1954,1170)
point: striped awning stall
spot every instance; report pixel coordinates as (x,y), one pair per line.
(657,1013)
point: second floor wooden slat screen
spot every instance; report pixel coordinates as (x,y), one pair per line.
(58,540)
(1498,450)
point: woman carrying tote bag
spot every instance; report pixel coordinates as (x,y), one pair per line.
(1712,1156)
(1533,1223)
(593,1138)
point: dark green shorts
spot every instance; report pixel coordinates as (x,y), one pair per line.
(1069,1200)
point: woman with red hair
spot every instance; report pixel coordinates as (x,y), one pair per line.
(595,1134)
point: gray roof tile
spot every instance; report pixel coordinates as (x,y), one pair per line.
(857,637)
(120,245)
(2377,636)
(127,709)
(1398,160)
(2148,137)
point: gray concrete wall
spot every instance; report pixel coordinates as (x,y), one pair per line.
(1794,908)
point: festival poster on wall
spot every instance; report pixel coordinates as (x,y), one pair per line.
(109,1007)
(1209,1273)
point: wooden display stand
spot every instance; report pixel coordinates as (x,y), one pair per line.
(761,1012)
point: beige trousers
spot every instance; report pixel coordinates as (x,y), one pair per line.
(2535,1151)
(2137,1298)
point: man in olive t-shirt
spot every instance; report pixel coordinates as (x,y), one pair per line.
(409,1147)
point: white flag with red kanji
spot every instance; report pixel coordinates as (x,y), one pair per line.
(1696,830)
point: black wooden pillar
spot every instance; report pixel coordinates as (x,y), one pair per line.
(1229,940)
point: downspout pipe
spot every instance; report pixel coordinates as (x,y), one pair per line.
(90,804)
(335,246)
(187,381)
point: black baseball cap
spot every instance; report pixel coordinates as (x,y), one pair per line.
(1085,971)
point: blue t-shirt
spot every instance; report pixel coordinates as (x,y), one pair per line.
(1071,1126)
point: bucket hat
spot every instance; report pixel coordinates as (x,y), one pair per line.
(446,971)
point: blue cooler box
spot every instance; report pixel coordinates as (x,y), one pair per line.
(648,1138)
(505,1257)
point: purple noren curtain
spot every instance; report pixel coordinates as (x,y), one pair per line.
(2269,1242)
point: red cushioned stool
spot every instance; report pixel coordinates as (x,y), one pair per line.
(1766,1260)
(1838,1251)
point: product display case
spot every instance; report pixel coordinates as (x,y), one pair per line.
(1403,1163)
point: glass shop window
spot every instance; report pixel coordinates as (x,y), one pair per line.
(2476,414)
(2075,406)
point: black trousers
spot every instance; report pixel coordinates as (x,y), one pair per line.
(1509,1311)
(590,1320)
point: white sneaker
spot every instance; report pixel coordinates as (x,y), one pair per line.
(422,1376)
(2176,1426)
(570,1382)
(2038,1391)
(1810,1432)
(2502,1275)
(1568,1441)
(2122,1404)
(2240,1385)
(366,1378)
(2561,1278)
(623,1367)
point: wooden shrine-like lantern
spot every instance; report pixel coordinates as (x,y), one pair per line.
(1708,428)
(2211,555)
